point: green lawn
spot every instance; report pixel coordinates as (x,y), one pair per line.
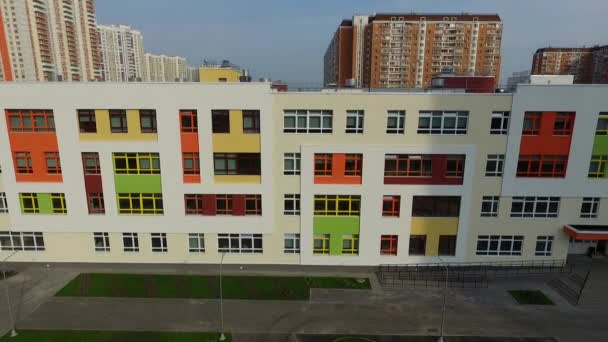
(109,336)
(202,287)
(535,297)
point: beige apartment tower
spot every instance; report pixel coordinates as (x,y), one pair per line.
(405,50)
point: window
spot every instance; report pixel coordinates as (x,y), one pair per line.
(598,167)
(253,204)
(21,241)
(239,243)
(291,244)
(489,206)
(388,244)
(140,203)
(407,165)
(542,166)
(159,242)
(86,121)
(137,163)
(391,205)
(443,122)
(395,122)
(58,203)
(350,244)
(500,123)
(95,203)
(191,163)
(236,163)
(447,245)
(251,121)
(353,164)
(3,204)
(23,162)
(291,204)
(589,207)
(436,206)
(223,204)
(323,164)
(291,163)
(193,204)
(90,163)
(196,243)
(53,163)
(499,244)
(29,203)
(602,124)
(544,246)
(454,166)
(147,120)
(118,121)
(354,121)
(494,165)
(307,121)
(320,244)
(531,123)
(535,207)
(130,242)
(220,121)
(102,242)
(337,205)
(564,122)
(31,120)
(188,120)
(417,244)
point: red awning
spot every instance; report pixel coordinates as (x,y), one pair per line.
(586,232)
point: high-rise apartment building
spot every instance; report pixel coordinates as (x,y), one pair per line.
(122,53)
(405,50)
(586,64)
(49,40)
(161,68)
(185,173)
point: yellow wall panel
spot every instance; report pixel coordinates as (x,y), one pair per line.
(238,179)
(104,132)
(433,227)
(236,141)
(214,74)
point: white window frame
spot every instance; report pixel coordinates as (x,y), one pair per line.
(161,241)
(3,203)
(544,245)
(303,119)
(199,246)
(236,243)
(399,116)
(503,118)
(497,171)
(358,117)
(500,242)
(134,238)
(295,198)
(493,202)
(594,205)
(534,206)
(104,241)
(21,241)
(295,158)
(442,117)
(291,243)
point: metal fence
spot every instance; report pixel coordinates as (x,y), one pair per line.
(465,275)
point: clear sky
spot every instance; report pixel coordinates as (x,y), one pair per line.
(286,39)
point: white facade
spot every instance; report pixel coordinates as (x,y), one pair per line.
(122,51)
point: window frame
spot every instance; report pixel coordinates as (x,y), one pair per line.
(398,116)
(94,157)
(394,201)
(534,119)
(26,158)
(140,199)
(567,120)
(133,247)
(192,116)
(442,117)
(237,242)
(332,205)
(104,242)
(494,245)
(601,162)
(200,242)
(323,248)
(593,204)
(414,249)
(530,205)
(323,164)
(95,196)
(295,158)
(538,165)
(498,169)
(493,202)
(58,204)
(253,204)
(138,158)
(149,114)
(353,241)
(450,249)
(601,127)
(224,204)
(48,125)
(454,166)
(25,197)
(436,206)
(121,115)
(160,239)
(544,245)
(357,117)
(197,200)
(501,118)
(254,116)
(353,165)
(294,240)
(22,241)
(393,244)
(302,119)
(3,203)
(244,164)
(220,121)
(89,125)
(406,165)
(294,199)
(194,158)
(52,157)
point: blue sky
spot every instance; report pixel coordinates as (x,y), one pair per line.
(286,39)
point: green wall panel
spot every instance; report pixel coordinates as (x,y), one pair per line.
(600,145)
(336,226)
(138,183)
(45,204)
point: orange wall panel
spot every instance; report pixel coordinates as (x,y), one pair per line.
(338,162)
(545,143)
(189,143)
(37,144)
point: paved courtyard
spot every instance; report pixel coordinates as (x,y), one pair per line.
(412,311)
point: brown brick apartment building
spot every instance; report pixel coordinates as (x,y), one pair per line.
(588,65)
(405,50)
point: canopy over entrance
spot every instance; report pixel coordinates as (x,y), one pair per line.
(586,231)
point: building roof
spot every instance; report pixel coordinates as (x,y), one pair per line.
(563,49)
(436,16)
(346,22)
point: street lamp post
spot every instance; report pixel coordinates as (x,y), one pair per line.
(222,336)
(445,299)
(8,297)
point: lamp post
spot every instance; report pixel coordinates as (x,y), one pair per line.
(222,336)
(445,299)
(8,298)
